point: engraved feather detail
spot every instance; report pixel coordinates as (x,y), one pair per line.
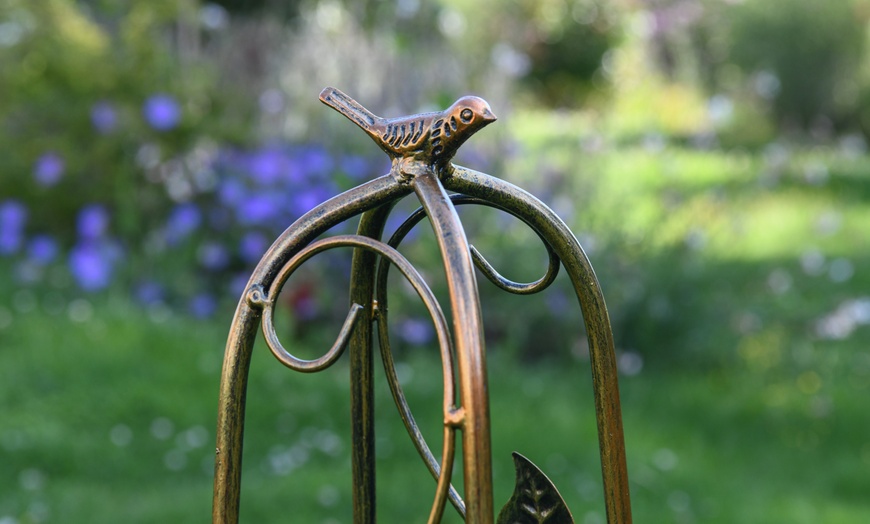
(431,138)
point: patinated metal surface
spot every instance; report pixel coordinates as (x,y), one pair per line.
(421,148)
(535,500)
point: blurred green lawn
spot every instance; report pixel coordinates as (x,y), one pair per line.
(109,410)
(111,420)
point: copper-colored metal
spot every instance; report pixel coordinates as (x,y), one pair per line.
(417,143)
(596,319)
(421,147)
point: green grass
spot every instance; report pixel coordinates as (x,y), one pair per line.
(111,420)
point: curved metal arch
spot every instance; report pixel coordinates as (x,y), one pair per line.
(595,317)
(374,200)
(237,356)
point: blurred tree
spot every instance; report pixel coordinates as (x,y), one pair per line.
(285,9)
(555,46)
(567,46)
(800,55)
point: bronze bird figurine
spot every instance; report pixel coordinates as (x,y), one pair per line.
(430,139)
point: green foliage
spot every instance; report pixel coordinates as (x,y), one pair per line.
(289,9)
(554,48)
(812,48)
(68,60)
(572,40)
(690,246)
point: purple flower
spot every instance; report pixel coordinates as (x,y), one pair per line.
(91,265)
(42,249)
(162,112)
(316,161)
(258,209)
(149,292)
(213,256)
(202,305)
(103,117)
(416,331)
(355,166)
(93,222)
(304,201)
(252,246)
(239,283)
(48,169)
(231,192)
(267,165)
(13,216)
(10,241)
(183,221)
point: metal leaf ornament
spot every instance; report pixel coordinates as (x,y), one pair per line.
(535,500)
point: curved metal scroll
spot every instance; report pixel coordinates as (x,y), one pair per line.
(595,317)
(237,357)
(383,330)
(466,404)
(479,261)
(451,413)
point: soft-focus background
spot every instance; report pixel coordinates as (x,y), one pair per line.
(710,155)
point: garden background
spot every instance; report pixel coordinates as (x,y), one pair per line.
(710,155)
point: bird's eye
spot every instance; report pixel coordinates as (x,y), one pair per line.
(466,115)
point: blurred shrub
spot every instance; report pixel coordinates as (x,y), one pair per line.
(802,56)
(742,122)
(566,53)
(288,9)
(128,159)
(645,103)
(800,64)
(553,48)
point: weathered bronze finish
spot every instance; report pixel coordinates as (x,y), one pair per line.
(535,500)
(418,143)
(421,147)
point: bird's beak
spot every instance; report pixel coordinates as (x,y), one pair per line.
(488,116)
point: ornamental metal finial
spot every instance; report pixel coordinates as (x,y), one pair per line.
(417,141)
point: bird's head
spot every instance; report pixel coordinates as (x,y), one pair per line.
(471,112)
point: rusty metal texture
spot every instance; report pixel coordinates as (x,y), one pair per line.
(421,148)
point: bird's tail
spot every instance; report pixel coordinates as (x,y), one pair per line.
(349,107)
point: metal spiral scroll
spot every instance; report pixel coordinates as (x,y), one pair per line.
(465,400)
(452,415)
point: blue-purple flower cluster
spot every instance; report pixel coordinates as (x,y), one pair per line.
(214,235)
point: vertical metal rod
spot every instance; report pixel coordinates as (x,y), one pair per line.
(362,285)
(231,415)
(468,337)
